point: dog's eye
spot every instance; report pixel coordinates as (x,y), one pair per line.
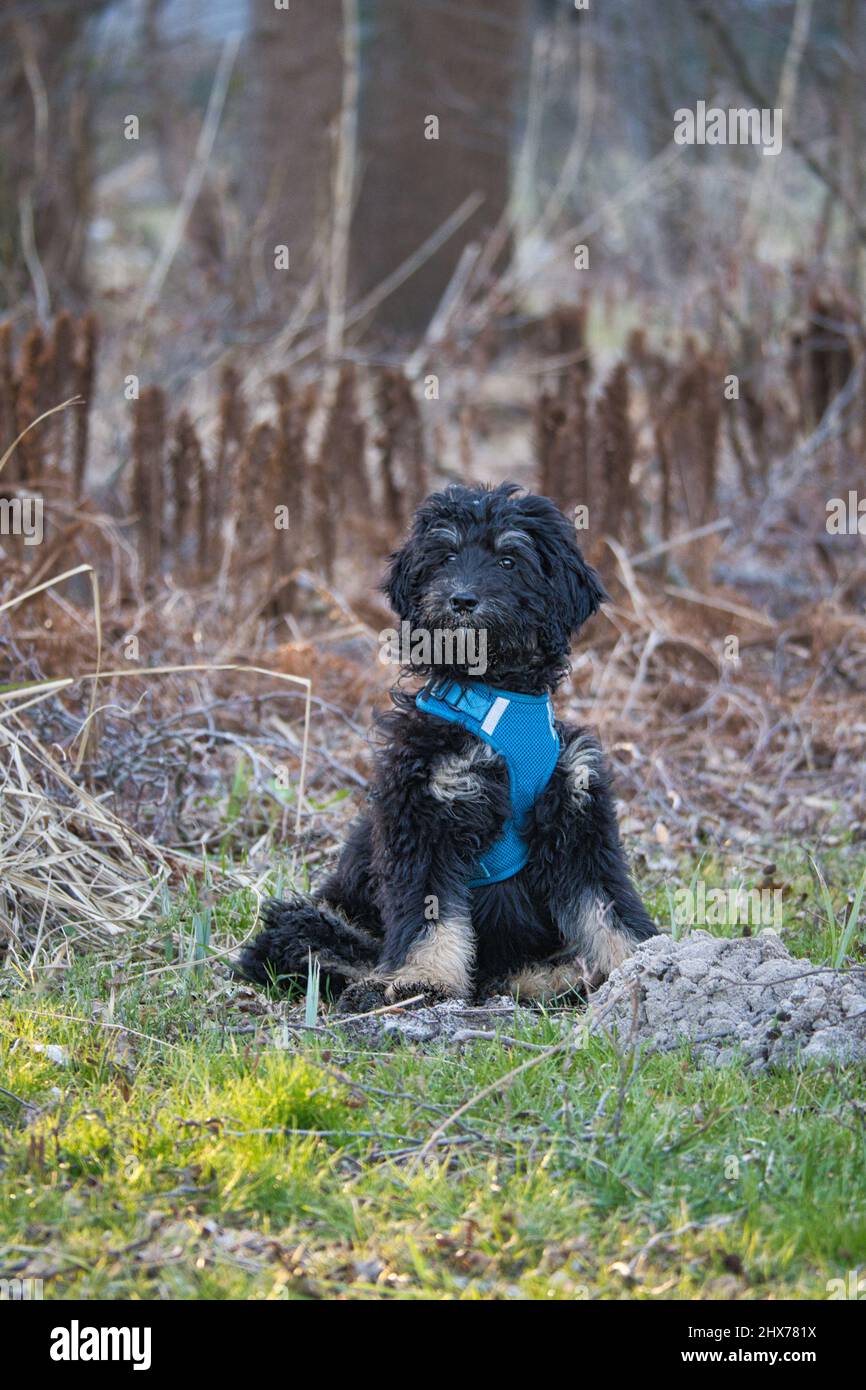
(449,558)
(506,563)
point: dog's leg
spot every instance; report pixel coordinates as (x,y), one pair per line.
(554,979)
(429,943)
(586,882)
(431,825)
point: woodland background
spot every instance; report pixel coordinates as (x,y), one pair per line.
(185,690)
(440,268)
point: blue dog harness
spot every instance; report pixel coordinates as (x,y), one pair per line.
(518,727)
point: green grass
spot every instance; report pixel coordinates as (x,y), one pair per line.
(189,1159)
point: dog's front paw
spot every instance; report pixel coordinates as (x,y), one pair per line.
(363,997)
(401,990)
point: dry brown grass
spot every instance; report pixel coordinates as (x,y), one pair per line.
(718,752)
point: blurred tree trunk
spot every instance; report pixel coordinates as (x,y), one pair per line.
(854,53)
(292,90)
(166,115)
(463,65)
(46,167)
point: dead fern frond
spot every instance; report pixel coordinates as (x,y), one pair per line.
(85,375)
(27,403)
(8,399)
(231,432)
(148,461)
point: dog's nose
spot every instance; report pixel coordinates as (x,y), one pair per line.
(463,603)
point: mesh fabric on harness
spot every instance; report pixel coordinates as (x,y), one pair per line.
(521,729)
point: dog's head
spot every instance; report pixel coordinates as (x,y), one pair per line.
(499,564)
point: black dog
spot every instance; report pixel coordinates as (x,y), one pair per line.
(490,859)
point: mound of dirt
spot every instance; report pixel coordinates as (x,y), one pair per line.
(746,998)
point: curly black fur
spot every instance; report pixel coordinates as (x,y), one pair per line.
(397,916)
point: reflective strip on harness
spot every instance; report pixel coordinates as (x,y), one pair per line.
(497,709)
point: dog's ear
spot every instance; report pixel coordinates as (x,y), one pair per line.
(398,585)
(406,565)
(584,589)
(578,587)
